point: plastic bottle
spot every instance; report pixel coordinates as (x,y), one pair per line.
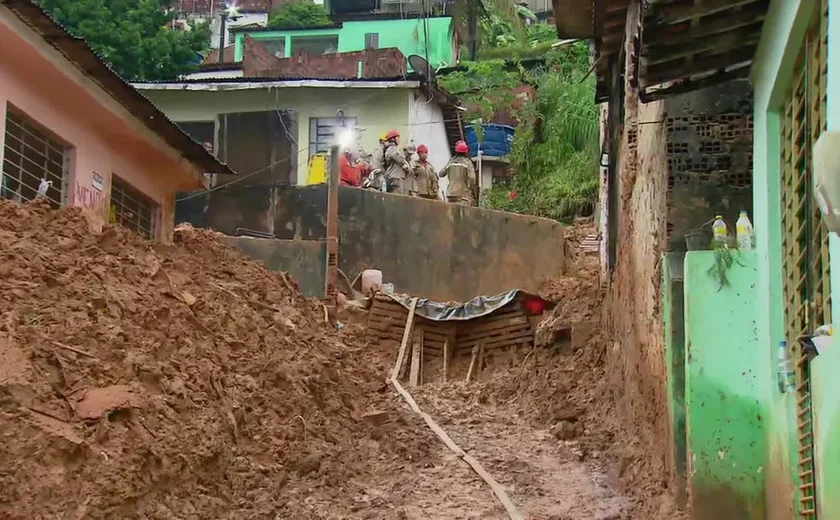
(719,231)
(744,231)
(784,370)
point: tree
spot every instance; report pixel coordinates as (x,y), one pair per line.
(299,13)
(132,35)
(468,16)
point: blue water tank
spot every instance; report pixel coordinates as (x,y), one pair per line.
(497,140)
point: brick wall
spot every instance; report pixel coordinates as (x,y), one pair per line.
(258,62)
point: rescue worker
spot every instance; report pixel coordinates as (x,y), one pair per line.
(349,169)
(411,185)
(396,165)
(427,179)
(377,164)
(462,178)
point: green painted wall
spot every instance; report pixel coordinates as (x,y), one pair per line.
(825,386)
(782,38)
(407,35)
(726,389)
(673,325)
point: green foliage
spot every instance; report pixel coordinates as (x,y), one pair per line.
(131,35)
(299,13)
(554,155)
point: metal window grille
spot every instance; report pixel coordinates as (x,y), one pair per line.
(32,153)
(322,132)
(805,263)
(131,209)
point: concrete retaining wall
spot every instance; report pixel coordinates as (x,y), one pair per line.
(426,248)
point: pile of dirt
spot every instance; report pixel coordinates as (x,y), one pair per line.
(561,385)
(153,381)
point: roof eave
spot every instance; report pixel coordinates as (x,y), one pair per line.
(79,54)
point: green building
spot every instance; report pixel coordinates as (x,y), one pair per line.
(795,69)
(409,35)
(702,349)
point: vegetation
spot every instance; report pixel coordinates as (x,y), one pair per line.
(554,155)
(132,36)
(299,13)
(474,20)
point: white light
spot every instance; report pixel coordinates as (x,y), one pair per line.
(345,138)
(232,10)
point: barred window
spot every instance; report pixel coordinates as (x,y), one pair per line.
(132,209)
(32,153)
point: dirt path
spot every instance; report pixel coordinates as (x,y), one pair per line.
(544,476)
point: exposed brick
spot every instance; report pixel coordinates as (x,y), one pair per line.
(258,62)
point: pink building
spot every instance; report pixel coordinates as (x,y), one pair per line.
(66,117)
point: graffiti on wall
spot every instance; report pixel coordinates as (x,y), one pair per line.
(90,196)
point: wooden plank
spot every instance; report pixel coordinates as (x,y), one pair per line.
(498,490)
(499,315)
(525,338)
(387,313)
(672,13)
(416,357)
(446,356)
(669,71)
(494,333)
(472,363)
(401,357)
(493,325)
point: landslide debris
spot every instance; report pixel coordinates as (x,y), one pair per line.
(140,380)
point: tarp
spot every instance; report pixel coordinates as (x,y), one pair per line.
(475,308)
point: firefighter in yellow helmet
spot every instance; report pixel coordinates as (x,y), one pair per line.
(377,164)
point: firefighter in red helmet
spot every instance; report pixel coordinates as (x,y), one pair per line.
(396,165)
(462,177)
(427,180)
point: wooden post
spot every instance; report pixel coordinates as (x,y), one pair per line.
(409,326)
(416,359)
(472,363)
(445,358)
(332,227)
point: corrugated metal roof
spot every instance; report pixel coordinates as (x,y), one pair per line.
(79,53)
(242,79)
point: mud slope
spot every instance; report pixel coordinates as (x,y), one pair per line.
(183,381)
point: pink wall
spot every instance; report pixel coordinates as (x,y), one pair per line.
(104,142)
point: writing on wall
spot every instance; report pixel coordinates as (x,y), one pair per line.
(87,196)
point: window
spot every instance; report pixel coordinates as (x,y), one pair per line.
(32,153)
(805,264)
(132,209)
(276,46)
(315,45)
(258,145)
(371,41)
(322,132)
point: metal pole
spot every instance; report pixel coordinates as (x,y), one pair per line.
(332,227)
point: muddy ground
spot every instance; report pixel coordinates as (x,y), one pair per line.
(186,381)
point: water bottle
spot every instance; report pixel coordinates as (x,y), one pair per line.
(719,232)
(784,370)
(744,231)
